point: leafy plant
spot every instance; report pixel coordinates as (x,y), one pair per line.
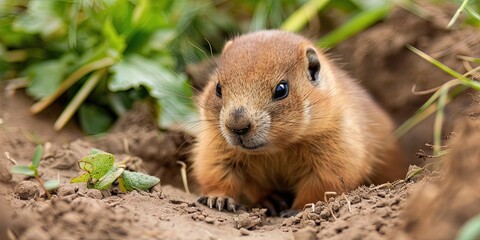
(101,172)
(32,171)
(101,55)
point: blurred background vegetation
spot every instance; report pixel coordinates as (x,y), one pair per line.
(98,57)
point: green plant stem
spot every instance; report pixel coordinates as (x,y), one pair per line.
(457,13)
(72,79)
(73,106)
(40,181)
(297,20)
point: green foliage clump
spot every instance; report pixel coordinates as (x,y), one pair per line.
(101,172)
(102,55)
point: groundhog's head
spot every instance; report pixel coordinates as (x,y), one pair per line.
(269,90)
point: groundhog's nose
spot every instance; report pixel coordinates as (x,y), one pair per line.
(237,122)
(240,129)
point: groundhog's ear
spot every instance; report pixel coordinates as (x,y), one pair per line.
(313,64)
(227,45)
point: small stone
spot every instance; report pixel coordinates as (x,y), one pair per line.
(335,206)
(325,214)
(94,193)
(26,190)
(209,220)
(244,232)
(191,210)
(381,194)
(313,216)
(310,223)
(66,190)
(201,217)
(290,221)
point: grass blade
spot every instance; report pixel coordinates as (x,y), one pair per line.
(355,25)
(457,13)
(72,79)
(297,20)
(73,106)
(473,84)
(473,13)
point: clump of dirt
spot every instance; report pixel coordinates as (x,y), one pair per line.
(443,206)
(26,190)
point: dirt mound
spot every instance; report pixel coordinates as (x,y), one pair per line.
(442,207)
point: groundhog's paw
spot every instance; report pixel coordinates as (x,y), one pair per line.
(220,203)
(277,204)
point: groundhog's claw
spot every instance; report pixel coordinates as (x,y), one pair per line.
(219,203)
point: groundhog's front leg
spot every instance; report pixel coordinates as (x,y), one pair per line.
(220,187)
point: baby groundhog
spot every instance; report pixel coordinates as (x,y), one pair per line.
(281,125)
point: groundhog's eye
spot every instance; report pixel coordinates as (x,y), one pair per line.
(219,90)
(281,91)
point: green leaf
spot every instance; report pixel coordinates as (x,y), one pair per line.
(171,91)
(45,77)
(94,119)
(82,178)
(23,169)
(115,42)
(96,150)
(138,181)
(37,156)
(107,180)
(51,185)
(97,165)
(42,17)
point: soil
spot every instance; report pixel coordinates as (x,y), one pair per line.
(432,204)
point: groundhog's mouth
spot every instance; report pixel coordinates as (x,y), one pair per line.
(251,147)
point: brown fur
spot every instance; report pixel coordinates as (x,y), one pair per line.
(325,137)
